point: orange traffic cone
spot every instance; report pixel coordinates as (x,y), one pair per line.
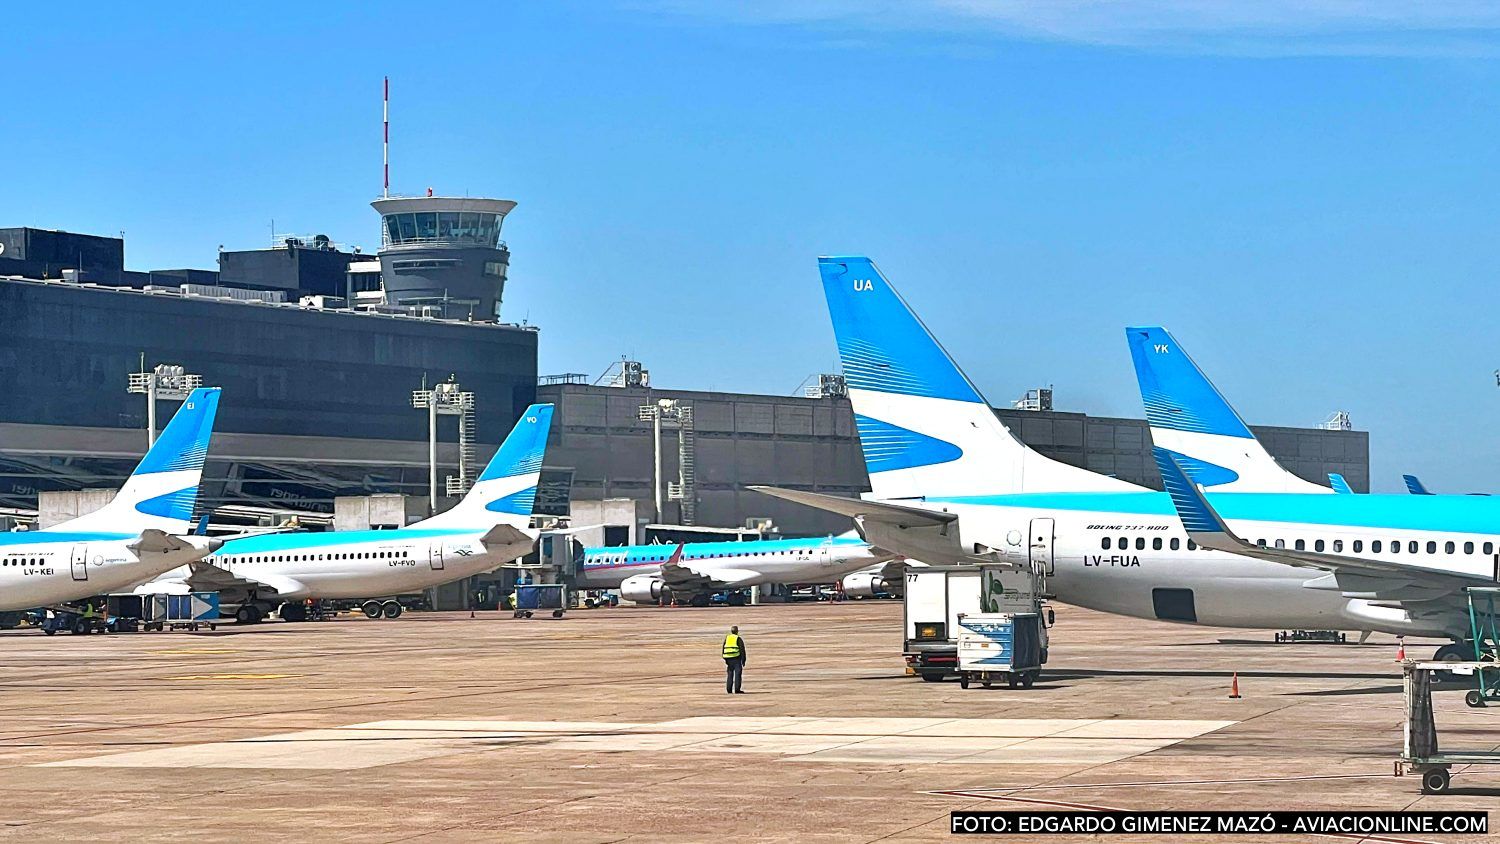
(1234,686)
(1400,649)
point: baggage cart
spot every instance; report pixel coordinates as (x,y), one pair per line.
(532,598)
(1420,753)
(994,646)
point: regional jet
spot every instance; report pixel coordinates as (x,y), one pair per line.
(950,483)
(694,571)
(489,527)
(143,531)
(1412,555)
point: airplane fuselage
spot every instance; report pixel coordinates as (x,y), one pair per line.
(1127,553)
(816,560)
(42,568)
(358,564)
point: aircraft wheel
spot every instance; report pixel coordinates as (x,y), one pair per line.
(699,600)
(1474,699)
(371,609)
(49,631)
(1435,781)
(736,599)
(293,612)
(392,609)
(1451,652)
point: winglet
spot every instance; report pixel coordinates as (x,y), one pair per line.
(1198,516)
(1414,485)
(1339,485)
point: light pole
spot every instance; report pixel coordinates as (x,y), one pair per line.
(673,414)
(446,399)
(166,381)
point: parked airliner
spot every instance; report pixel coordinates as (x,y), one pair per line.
(694,571)
(950,483)
(143,531)
(489,527)
(1407,554)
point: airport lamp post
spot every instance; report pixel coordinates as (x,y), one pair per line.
(445,399)
(166,381)
(675,415)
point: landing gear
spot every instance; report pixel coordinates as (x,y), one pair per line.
(293,611)
(698,600)
(1454,652)
(371,609)
(391,609)
(248,614)
(736,599)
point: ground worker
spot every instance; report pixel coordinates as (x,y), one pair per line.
(734,662)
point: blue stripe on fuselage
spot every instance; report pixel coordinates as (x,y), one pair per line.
(37,537)
(1446,513)
(272,542)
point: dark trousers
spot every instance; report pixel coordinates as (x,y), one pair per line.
(734,671)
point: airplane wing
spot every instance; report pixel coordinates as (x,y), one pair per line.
(503,534)
(857,508)
(1339,485)
(157,541)
(207,577)
(1383,582)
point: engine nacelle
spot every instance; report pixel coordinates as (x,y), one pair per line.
(863,585)
(643,588)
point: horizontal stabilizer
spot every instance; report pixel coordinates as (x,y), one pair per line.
(857,508)
(154,541)
(504,534)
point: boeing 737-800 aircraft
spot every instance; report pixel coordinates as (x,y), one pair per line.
(950,483)
(491,526)
(142,532)
(1407,554)
(647,573)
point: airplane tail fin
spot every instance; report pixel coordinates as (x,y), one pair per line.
(1339,485)
(505,491)
(923,425)
(1414,485)
(1191,419)
(163,490)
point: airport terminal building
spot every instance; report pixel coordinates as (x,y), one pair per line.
(319,350)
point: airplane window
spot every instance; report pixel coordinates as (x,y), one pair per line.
(1281,543)
(1489,548)
(1140,543)
(1104,543)
(1301,545)
(1374,546)
(1175,543)
(1123,543)
(1156,543)
(1432,547)
(1395,546)
(1338,545)
(1318,545)
(1447,547)
(1468,547)
(1412,546)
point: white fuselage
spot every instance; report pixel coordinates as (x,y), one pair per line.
(43,568)
(1157,576)
(356,564)
(754,563)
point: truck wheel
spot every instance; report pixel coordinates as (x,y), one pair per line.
(931,676)
(1011,679)
(371,609)
(986,681)
(963,681)
(1435,781)
(1028,678)
(1474,699)
(80,628)
(49,631)
(392,609)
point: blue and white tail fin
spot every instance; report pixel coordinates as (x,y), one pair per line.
(162,492)
(505,491)
(1339,485)
(1190,419)
(924,427)
(1414,485)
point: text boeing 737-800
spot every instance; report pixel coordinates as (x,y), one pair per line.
(142,532)
(489,527)
(950,483)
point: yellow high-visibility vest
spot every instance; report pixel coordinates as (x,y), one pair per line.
(731,646)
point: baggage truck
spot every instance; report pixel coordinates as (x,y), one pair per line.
(1004,645)
(936,596)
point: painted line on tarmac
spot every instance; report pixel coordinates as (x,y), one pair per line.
(1176,782)
(232,677)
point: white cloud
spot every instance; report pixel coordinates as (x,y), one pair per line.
(1247,27)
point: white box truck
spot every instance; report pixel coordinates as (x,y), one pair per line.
(937,595)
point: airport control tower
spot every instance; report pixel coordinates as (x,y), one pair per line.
(443,255)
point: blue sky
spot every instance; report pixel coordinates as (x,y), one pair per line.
(1305,193)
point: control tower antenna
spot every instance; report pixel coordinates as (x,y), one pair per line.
(385,115)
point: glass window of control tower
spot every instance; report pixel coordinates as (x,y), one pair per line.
(427,224)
